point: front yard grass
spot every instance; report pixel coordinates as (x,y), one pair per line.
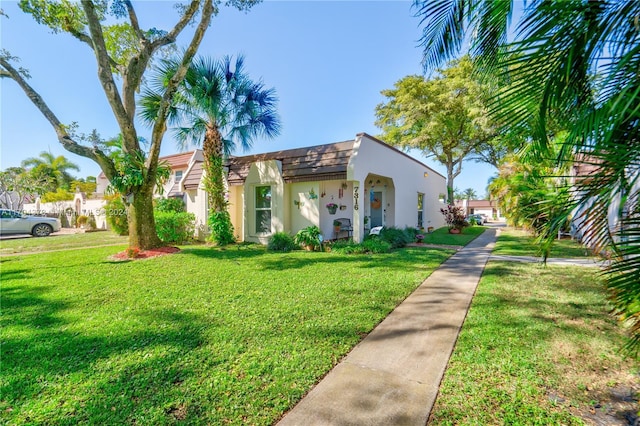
(441,236)
(61,242)
(538,347)
(520,243)
(206,336)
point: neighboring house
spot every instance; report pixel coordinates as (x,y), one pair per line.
(485,207)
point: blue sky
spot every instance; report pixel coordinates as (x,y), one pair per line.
(327,60)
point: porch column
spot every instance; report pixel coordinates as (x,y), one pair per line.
(358,211)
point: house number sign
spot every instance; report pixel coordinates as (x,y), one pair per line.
(355,197)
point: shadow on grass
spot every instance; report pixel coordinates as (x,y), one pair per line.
(397,259)
(125,372)
(544,314)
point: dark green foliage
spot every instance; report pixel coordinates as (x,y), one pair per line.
(412,232)
(281,241)
(169,205)
(175,227)
(396,237)
(221,228)
(347,247)
(308,236)
(377,245)
(64,220)
(91,222)
(373,244)
(116,212)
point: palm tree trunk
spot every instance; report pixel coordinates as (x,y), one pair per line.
(214,181)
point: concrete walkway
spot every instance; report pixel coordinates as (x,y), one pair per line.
(392,376)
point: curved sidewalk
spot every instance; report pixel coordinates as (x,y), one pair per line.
(392,376)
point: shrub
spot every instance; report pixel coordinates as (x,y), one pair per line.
(373,244)
(221,228)
(116,213)
(347,247)
(309,236)
(91,223)
(175,227)
(412,232)
(454,217)
(175,205)
(82,220)
(281,241)
(376,245)
(64,220)
(396,237)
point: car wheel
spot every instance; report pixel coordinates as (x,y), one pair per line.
(41,230)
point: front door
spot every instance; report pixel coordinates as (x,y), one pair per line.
(377,208)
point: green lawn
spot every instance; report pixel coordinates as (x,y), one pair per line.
(537,347)
(206,336)
(442,236)
(519,243)
(60,242)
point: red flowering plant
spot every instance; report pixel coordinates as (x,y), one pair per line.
(454,217)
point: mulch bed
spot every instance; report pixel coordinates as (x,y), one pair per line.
(146,254)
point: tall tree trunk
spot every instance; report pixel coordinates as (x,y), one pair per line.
(450,199)
(214,183)
(142,225)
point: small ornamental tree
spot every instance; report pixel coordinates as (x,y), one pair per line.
(454,217)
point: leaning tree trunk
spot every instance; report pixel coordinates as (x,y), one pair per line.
(142,225)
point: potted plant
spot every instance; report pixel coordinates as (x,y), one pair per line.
(308,238)
(336,226)
(332,207)
(419,238)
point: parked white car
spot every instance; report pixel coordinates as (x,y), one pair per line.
(478,219)
(13,222)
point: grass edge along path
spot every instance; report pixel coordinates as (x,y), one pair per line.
(538,347)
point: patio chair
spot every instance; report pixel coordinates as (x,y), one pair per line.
(345,226)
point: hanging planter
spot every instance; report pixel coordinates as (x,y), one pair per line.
(332,207)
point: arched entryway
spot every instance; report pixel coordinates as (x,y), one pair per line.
(379,206)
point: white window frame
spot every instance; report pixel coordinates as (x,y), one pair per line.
(420,211)
(257,209)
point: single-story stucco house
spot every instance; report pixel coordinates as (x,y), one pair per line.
(371,183)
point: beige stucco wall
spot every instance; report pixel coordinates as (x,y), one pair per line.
(304,202)
(265,173)
(409,179)
(196,202)
(236,212)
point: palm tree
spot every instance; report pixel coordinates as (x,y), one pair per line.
(575,61)
(469,193)
(55,169)
(220,108)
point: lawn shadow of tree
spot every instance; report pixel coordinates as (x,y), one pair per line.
(134,371)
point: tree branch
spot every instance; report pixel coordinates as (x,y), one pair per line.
(125,122)
(133,18)
(173,34)
(105,163)
(160,124)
